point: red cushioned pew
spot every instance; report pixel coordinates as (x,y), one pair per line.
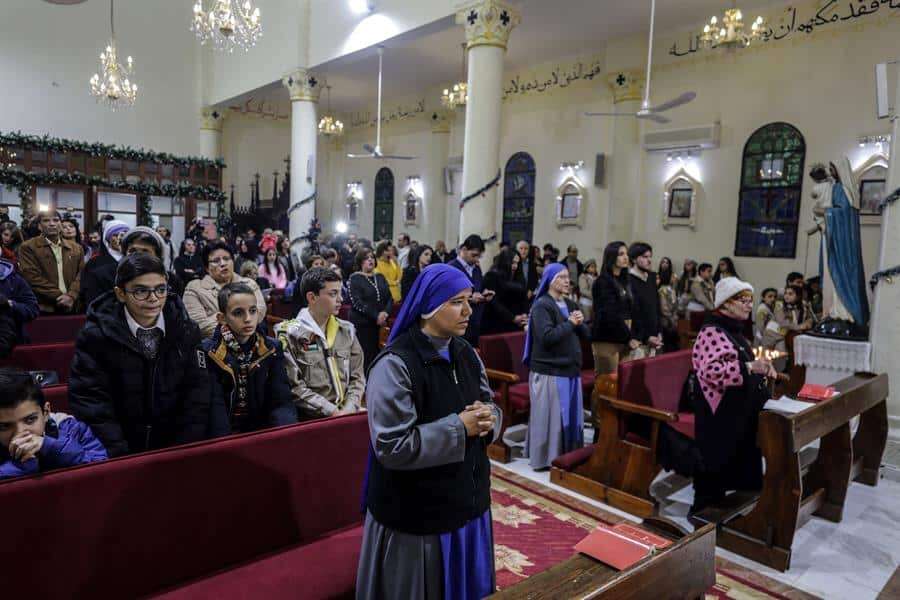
(49,330)
(620,467)
(273,514)
(43,357)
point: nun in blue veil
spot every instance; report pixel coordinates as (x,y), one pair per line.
(553,356)
(428,530)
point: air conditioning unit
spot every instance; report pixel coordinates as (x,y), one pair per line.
(690,138)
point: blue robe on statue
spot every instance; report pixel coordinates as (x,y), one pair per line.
(845,261)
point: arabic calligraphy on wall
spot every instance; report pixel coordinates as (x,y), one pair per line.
(829,13)
(399,113)
(559,77)
(261,109)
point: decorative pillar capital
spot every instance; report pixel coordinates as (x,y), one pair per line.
(302,85)
(488,22)
(211,119)
(626,85)
(440,121)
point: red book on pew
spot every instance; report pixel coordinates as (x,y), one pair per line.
(620,546)
(816,393)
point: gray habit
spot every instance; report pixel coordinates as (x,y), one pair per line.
(395,565)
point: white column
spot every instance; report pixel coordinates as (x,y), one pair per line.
(211,132)
(885,327)
(304,89)
(488,24)
(624,167)
(435,215)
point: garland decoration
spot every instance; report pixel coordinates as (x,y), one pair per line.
(887,274)
(888,200)
(482,191)
(46,143)
(306,200)
(24,182)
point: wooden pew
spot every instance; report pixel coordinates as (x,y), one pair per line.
(801,483)
(686,569)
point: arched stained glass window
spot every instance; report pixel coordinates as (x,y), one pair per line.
(518,198)
(771,191)
(384,205)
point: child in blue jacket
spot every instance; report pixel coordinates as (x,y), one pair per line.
(34,440)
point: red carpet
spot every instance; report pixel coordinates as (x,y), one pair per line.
(536,527)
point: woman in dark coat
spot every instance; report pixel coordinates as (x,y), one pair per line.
(370,302)
(611,332)
(139,376)
(99,275)
(419,258)
(508,311)
(189,264)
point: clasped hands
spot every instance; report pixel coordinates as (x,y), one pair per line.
(25,446)
(762,367)
(478,418)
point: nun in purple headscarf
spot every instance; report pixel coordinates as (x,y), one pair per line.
(553,356)
(431,416)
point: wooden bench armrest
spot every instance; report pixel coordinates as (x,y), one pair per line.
(501,376)
(640,409)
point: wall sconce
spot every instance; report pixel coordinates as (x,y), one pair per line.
(682,155)
(355,189)
(571,166)
(880,141)
(414,184)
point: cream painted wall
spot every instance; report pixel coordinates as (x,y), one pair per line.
(254,145)
(49,52)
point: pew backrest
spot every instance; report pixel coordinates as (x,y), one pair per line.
(131,526)
(43,357)
(656,381)
(503,352)
(54,329)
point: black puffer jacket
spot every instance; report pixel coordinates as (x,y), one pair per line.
(133,404)
(98,277)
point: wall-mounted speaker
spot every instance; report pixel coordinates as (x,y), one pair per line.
(600,171)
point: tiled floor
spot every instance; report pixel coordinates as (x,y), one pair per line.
(852,560)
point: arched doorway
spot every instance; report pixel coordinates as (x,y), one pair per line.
(384,205)
(518,198)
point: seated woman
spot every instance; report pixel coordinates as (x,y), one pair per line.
(553,354)
(201,297)
(34,440)
(732,392)
(419,258)
(428,527)
(793,314)
(188,265)
(248,379)
(273,271)
(139,376)
(508,311)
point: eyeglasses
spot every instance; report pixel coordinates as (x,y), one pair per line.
(744,299)
(218,262)
(143,293)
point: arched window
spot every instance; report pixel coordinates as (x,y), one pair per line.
(771,190)
(384,205)
(518,198)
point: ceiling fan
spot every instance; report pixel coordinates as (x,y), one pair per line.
(648,112)
(376,151)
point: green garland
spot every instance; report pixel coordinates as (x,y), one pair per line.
(24,182)
(53,144)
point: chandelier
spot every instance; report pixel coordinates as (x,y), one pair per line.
(728,32)
(112,85)
(458,95)
(228,24)
(330,126)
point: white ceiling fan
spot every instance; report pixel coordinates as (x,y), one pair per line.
(376,151)
(650,112)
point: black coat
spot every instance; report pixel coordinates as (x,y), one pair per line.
(192,262)
(269,399)
(9,331)
(612,310)
(645,311)
(555,344)
(365,302)
(133,404)
(511,299)
(98,277)
(407,281)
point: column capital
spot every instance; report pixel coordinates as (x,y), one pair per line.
(302,85)
(488,22)
(626,85)
(440,121)
(211,118)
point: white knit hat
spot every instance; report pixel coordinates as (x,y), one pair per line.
(728,288)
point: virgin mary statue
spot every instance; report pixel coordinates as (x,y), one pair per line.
(841,264)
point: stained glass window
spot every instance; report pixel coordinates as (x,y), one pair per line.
(771,190)
(518,198)
(384,205)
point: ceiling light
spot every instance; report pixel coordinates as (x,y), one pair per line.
(362,7)
(458,95)
(228,24)
(112,85)
(728,31)
(341,227)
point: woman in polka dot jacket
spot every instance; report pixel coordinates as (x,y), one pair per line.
(733,393)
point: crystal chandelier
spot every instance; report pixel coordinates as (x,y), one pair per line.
(728,32)
(228,24)
(459,94)
(330,126)
(112,85)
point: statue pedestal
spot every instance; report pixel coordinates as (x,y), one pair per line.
(829,360)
